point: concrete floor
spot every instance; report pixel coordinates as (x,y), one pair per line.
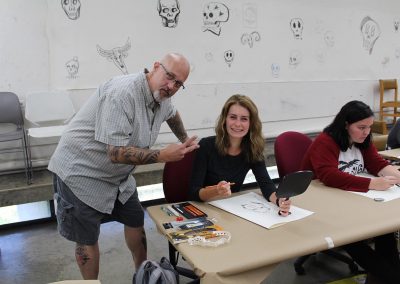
(38,254)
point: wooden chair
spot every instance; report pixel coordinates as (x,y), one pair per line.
(379,127)
(392,104)
(380,141)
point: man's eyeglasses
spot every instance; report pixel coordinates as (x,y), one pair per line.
(171,77)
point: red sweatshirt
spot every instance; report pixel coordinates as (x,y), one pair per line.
(323,158)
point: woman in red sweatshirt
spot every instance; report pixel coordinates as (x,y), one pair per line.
(343,150)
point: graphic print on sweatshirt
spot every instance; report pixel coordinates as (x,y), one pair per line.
(351,161)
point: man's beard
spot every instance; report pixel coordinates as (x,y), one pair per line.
(157,96)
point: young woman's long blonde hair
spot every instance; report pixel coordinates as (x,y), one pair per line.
(253,143)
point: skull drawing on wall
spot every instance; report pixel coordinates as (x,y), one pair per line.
(117,55)
(72,8)
(396,23)
(295,58)
(329,38)
(72,67)
(169,12)
(229,55)
(275,69)
(370,31)
(296,24)
(397,53)
(214,14)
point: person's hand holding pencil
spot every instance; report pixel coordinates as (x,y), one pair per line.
(223,188)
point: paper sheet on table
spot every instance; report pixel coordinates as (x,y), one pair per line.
(254,208)
(387,195)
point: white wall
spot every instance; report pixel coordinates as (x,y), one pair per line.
(37,40)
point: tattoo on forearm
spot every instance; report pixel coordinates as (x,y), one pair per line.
(176,125)
(132,155)
(81,255)
(144,241)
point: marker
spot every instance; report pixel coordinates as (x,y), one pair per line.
(166,211)
(172,210)
(178,209)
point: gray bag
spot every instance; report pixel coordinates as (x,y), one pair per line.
(153,272)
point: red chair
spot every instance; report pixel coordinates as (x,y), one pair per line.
(176,182)
(290,148)
(176,179)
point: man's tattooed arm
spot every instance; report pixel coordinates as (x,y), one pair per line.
(176,125)
(132,155)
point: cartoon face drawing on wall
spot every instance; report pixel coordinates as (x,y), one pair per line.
(296,25)
(214,14)
(229,55)
(370,32)
(295,58)
(275,69)
(72,67)
(169,12)
(396,23)
(329,38)
(72,8)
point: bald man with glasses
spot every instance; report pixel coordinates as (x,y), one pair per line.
(110,135)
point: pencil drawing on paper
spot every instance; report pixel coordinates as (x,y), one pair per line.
(214,13)
(249,39)
(370,31)
(72,67)
(116,55)
(296,25)
(72,8)
(169,12)
(258,207)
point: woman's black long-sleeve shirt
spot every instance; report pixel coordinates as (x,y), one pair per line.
(210,168)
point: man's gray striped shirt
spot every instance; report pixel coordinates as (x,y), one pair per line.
(120,113)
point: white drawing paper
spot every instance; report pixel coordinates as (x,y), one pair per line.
(254,208)
(382,195)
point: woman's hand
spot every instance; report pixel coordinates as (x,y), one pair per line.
(283,204)
(224,189)
(383,183)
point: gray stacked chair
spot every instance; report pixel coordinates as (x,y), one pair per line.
(12,120)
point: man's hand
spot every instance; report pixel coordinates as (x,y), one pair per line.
(176,152)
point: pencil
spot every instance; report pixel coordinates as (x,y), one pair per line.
(215,186)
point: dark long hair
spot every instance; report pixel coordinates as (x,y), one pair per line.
(351,112)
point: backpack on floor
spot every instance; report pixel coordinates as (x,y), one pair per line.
(153,272)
